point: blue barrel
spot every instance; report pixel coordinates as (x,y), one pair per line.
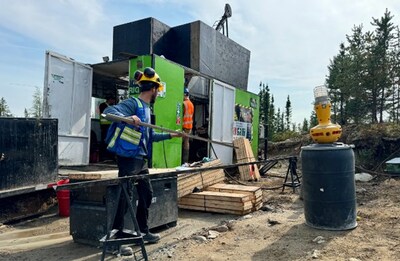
(328,186)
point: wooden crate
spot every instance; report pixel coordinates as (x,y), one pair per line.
(254,192)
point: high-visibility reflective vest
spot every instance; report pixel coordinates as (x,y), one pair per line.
(125,140)
(188,114)
(103,121)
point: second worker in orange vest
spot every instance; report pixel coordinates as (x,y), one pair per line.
(188,112)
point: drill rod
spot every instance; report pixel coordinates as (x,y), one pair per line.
(115,181)
(129,120)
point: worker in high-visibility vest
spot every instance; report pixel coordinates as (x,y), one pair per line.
(104,125)
(188,112)
(132,144)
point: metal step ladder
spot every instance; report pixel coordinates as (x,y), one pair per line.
(115,238)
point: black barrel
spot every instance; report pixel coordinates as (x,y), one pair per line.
(328,186)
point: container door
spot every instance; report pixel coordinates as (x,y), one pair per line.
(222,109)
(67,97)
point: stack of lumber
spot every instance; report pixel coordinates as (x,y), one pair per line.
(245,154)
(254,192)
(224,198)
(199,179)
(219,202)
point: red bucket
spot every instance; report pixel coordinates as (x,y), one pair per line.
(63,199)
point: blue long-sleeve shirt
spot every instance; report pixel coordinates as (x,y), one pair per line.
(128,107)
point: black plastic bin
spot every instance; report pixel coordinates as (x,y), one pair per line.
(88,209)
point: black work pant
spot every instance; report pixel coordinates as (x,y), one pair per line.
(104,153)
(130,167)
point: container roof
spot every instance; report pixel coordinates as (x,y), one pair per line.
(117,68)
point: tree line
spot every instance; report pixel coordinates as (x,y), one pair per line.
(34,111)
(364,76)
(278,123)
(363,82)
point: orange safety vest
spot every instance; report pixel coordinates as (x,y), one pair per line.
(188,114)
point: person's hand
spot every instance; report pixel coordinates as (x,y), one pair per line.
(136,120)
(176,134)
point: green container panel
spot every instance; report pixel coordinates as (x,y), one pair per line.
(250,101)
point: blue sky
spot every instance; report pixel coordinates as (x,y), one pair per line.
(291,41)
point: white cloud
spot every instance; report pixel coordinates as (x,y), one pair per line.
(73,26)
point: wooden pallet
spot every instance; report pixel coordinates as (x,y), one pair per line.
(245,154)
(215,210)
(219,202)
(254,192)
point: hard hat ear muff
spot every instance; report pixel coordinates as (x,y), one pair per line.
(149,72)
(138,75)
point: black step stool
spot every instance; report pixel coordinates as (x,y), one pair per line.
(115,238)
(294,178)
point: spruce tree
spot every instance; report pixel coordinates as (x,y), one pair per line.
(4,110)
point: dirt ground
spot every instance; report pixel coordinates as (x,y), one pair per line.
(277,232)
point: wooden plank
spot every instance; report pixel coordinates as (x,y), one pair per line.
(251,158)
(101,174)
(200,179)
(204,201)
(241,206)
(185,192)
(256,200)
(222,196)
(254,191)
(201,183)
(189,189)
(245,154)
(196,170)
(241,155)
(213,203)
(89,175)
(235,187)
(215,210)
(161,170)
(257,206)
